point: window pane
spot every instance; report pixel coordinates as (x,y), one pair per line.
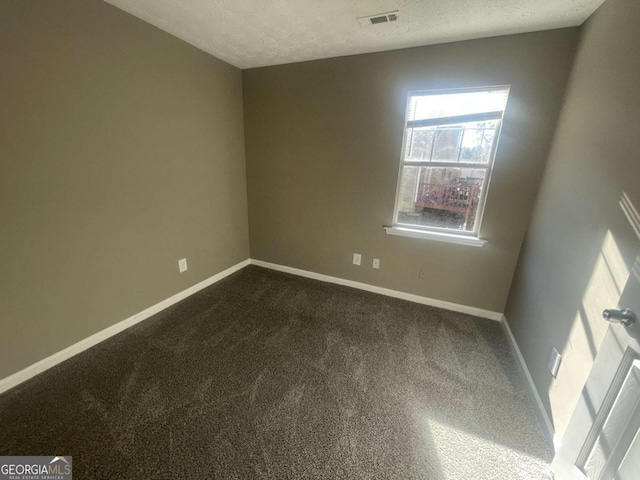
(424,106)
(419,143)
(447,144)
(442,197)
(408,190)
(477,142)
(465,142)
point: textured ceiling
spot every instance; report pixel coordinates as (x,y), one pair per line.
(255,33)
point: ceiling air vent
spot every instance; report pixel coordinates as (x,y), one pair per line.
(378,18)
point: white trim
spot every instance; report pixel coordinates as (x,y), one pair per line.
(52,360)
(478,312)
(532,385)
(437,236)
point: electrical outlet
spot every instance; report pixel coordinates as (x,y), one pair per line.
(357,259)
(376,263)
(182,265)
(422,273)
(554,362)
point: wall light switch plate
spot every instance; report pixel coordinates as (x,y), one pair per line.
(554,362)
(357,259)
(182,265)
(376,263)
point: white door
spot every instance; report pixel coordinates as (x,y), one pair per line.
(602,440)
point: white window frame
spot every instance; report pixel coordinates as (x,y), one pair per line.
(440,233)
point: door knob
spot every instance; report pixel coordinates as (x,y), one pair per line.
(625,316)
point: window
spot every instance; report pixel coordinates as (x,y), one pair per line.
(450,142)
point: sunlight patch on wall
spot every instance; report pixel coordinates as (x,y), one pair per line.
(606,284)
(630,212)
(636,268)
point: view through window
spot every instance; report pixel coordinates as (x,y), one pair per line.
(450,141)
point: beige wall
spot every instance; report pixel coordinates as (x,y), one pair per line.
(323,143)
(581,252)
(121,151)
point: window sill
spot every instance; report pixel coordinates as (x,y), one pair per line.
(438,237)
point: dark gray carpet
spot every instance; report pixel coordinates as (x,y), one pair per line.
(267,375)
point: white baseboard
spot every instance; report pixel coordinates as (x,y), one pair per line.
(532,386)
(52,360)
(478,312)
